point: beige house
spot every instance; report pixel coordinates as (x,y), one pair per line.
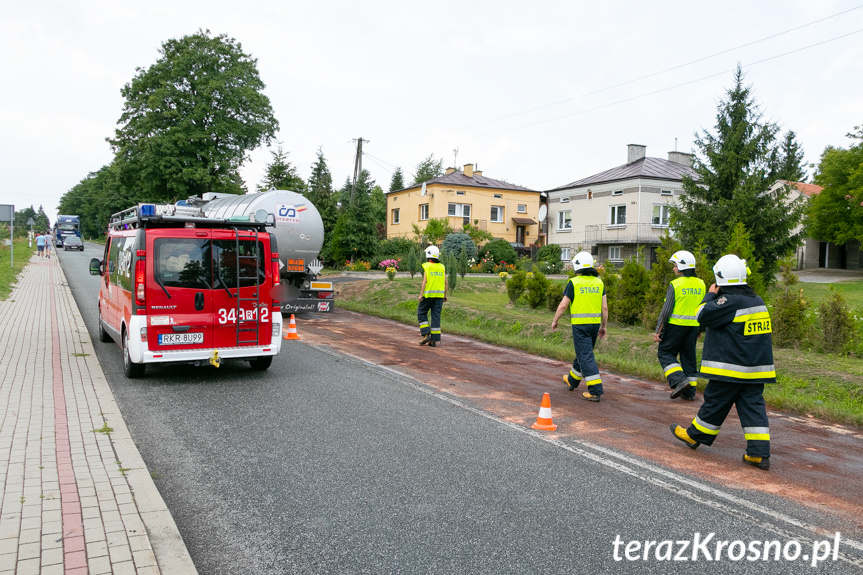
(614,213)
(466,197)
(815,253)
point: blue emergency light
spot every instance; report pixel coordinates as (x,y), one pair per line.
(147,210)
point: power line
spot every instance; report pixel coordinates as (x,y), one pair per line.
(653,74)
(667,88)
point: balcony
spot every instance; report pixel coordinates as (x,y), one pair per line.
(623,234)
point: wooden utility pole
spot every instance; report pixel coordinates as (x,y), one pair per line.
(358,165)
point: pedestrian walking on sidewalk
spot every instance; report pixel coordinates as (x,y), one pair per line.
(432,297)
(585,298)
(47,245)
(40,245)
(737,359)
(677,329)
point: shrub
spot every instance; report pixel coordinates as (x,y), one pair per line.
(500,250)
(548,253)
(535,289)
(837,324)
(789,310)
(611,281)
(451,265)
(553,295)
(412,261)
(632,291)
(395,248)
(462,264)
(456,244)
(516,285)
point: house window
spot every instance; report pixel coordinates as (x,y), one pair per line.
(459,193)
(564,255)
(660,215)
(396,216)
(458,210)
(617,215)
(424,212)
(666,193)
(564,200)
(498,196)
(614,253)
(497,214)
(522,208)
(617,193)
(564,220)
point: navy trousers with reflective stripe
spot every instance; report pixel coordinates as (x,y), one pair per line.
(583,340)
(679,339)
(719,396)
(433,305)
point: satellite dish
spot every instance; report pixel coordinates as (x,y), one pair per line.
(423,192)
(543,211)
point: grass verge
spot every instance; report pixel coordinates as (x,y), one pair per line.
(829,387)
(11,264)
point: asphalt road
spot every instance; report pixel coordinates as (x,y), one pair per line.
(326,463)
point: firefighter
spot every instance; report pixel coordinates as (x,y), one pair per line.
(677,328)
(432,296)
(584,296)
(737,359)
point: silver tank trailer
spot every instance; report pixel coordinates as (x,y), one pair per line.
(299,229)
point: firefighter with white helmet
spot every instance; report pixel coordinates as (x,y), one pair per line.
(737,360)
(432,296)
(677,329)
(584,297)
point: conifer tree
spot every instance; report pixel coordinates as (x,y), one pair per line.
(281,175)
(398,180)
(735,168)
(320,193)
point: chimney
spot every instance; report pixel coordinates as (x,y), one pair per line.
(635,152)
(468,170)
(477,172)
(681,158)
(449,171)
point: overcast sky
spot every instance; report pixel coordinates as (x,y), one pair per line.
(538,94)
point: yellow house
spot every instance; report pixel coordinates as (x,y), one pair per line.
(466,197)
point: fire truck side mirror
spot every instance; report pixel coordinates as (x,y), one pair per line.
(95,267)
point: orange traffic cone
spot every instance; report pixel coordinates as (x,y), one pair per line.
(292,329)
(543,420)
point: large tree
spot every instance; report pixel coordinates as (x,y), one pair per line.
(189,119)
(281,175)
(320,193)
(427,170)
(836,214)
(735,168)
(789,161)
(41,223)
(355,235)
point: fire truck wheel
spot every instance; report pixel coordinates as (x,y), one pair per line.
(131,370)
(261,363)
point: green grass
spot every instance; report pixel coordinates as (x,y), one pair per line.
(19,259)
(830,387)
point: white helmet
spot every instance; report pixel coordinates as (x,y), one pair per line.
(582,260)
(684,260)
(432,252)
(730,270)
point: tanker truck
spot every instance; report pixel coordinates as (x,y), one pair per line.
(299,233)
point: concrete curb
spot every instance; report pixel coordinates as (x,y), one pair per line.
(167,544)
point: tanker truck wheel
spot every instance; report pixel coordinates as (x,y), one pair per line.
(261,363)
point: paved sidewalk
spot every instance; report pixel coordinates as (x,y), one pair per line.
(77,497)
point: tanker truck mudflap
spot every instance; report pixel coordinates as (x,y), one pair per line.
(301,291)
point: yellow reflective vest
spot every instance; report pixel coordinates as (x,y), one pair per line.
(435,274)
(688,294)
(586,305)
